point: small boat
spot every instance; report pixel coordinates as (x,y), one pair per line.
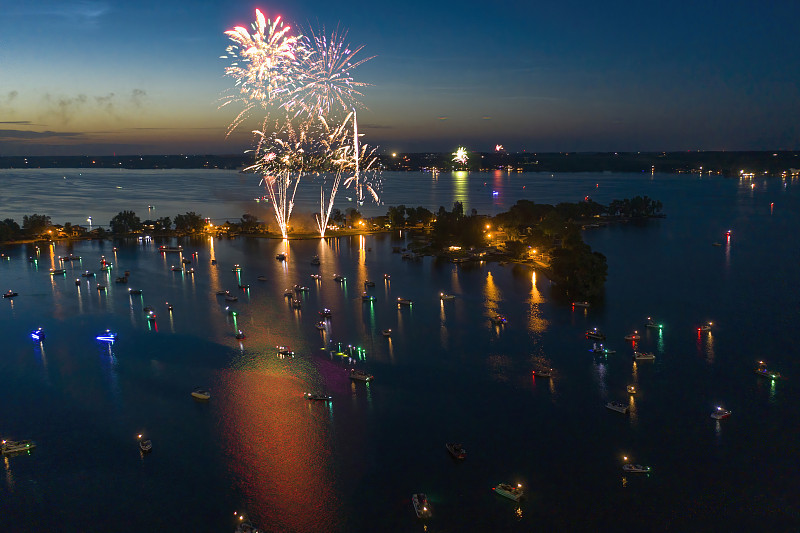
(236,268)
(106,268)
(283,351)
(127,273)
(121,280)
(145,445)
(244,286)
(281,257)
(456,450)
(637,469)
(360,375)
(421,505)
(190,270)
(176,269)
(499,320)
(339,278)
(367,297)
(580,304)
(720,413)
(201,394)
(369,283)
(618,407)
(262,278)
(151,316)
(633,336)
(404,301)
(387,276)
(599,349)
(544,373)
(317,397)
(444,296)
(288,293)
(386,332)
(762,370)
(109,337)
(77,282)
(185,261)
(231,312)
(325,313)
(223,293)
(315,260)
(88,274)
(169,306)
(16,446)
(316,276)
(705,327)
(170,248)
(631,389)
(510,491)
(651,324)
(231,298)
(240,335)
(643,356)
(716,244)
(213,261)
(57,271)
(9,294)
(320,325)
(101,287)
(301,288)
(246,526)
(69,257)
(295,303)
(37,334)
(594,333)
(148,309)
(134,291)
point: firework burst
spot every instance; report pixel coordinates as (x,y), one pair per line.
(460,155)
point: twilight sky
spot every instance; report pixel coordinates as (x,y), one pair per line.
(145,77)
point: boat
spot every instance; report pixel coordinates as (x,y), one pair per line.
(236,268)
(240,335)
(367,297)
(599,349)
(231,298)
(543,373)
(101,287)
(169,306)
(201,394)
(177,269)
(9,294)
(262,278)
(369,283)
(283,351)
(643,356)
(145,445)
(580,304)
(109,337)
(325,313)
(244,286)
(320,325)
(403,301)
(231,312)
(190,270)
(316,276)
(651,324)
(37,334)
(106,268)
(716,244)
(631,389)
(88,274)
(456,450)
(127,273)
(17,446)
(386,332)
(638,469)
(317,397)
(77,281)
(360,375)
(594,333)
(444,296)
(633,336)
(121,280)
(134,291)
(148,309)
(705,327)
(213,261)
(315,260)
(618,407)
(186,261)
(288,293)
(421,506)
(69,257)
(57,271)
(223,293)
(338,278)
(151,316)
(295,303)
(720,413)
(510,491)
(499,320)
(762,370)
(246,526)
(301,288)
(387,276)
(281,257)
(170,248)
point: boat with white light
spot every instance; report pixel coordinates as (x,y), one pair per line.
(201,394)
(320,325)
(101,287)
(404,301)
(57,271)
(316,276)
(631,389)
(295,303)
(386,332)
(223,293)
(456,450)
(9,447)
(37,334)
(643,356)
(705,327)
(231,298)
(236,268)
(145,445)
(763,371)
(301,288)
(719,413)
(170,248)
(281,257)
(109,336)
(618,407)
(325,313)
(369,283)
(240,335)
(10,294)
(134,291)
(288,293)
(543,373)
(633,336)
(652,324)
(636,469)
(421,505)
(594,333)
(69,257)
(283,351)
(580,304)
(88,274)
(445,296)
(338,278)
(510,491)
(387,276)
(367,297)
(315,260)
(317,397)
(360,375)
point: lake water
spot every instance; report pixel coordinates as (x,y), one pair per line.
(445,375)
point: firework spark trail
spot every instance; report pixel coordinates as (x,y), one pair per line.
(460,155)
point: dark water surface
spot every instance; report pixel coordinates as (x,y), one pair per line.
(446,373)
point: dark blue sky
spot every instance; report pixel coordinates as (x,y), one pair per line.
(145,77)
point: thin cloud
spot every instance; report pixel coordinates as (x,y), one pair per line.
(31,135)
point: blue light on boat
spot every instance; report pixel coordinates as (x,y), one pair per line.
(37,335)
(108,336)
(495,193)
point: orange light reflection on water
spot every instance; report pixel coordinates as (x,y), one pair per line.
(278,445)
